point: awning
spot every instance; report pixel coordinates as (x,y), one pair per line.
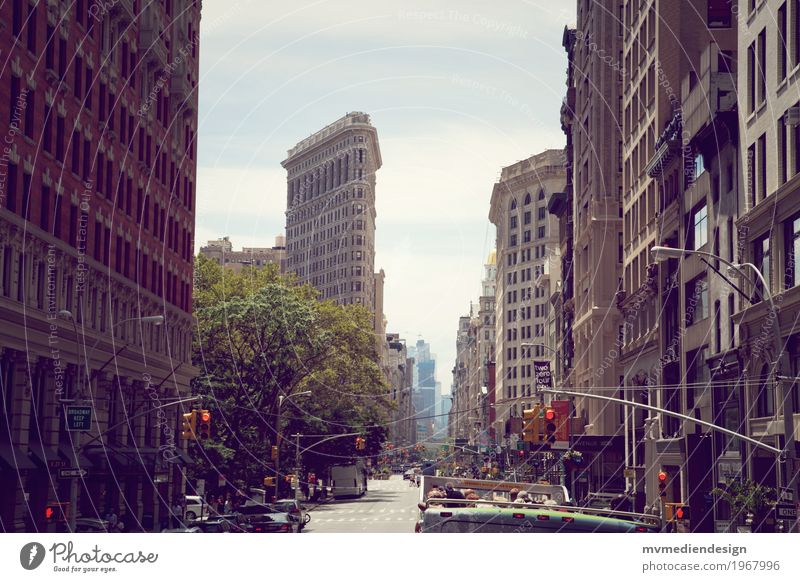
(13,459)
(46,457)
(180,457)
(124,458)
(67,453)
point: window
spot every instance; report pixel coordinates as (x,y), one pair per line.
(762,66)
(541,213)
(697,300)
(541,194)
(699,165)
(791,235)
(527,218)
(751,77)
(765,398)
(762,254)
(31,27)
(47,129)
(540,232)
(719,14)
(700,222)
(783,43)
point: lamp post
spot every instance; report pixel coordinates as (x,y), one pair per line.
(80,394)
(281,399)
(661,253)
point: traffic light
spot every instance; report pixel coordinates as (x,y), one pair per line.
(361,443)
(682,512)
(204,425)
(530,430)
(56,512)
(274,452)
(662,483)
(550,425)
(189,426)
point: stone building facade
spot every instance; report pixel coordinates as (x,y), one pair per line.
(330,216)
(528,264)
(221,251)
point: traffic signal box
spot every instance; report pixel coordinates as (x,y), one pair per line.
(361,443)
(550,425)
(203,425)
(531,427)
(56,512)
(662,483)
(274,452)
(189,426)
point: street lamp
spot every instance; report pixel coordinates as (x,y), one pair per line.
(80,393)
(281,399)
(661,253)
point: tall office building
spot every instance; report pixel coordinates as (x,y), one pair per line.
(330,216)
(424,394)
(528,264)
(768,224)
(97,206)
(597,207)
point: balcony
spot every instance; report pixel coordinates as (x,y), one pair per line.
(710,95)
(667,148)
(122,11)
(152,44)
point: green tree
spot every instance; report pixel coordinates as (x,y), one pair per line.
(261,335)
(748,497)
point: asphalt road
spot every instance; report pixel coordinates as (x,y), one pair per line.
(387,507)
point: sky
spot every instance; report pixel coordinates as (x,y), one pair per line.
(457,89)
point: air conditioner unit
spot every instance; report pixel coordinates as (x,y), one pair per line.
(792,116)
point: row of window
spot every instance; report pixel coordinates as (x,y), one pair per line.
(53,214)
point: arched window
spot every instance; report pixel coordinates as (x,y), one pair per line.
(765,399)
(527,198)
(513,204)
(541,194)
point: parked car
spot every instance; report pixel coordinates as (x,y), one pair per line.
(195,507)
(183,530)
(90,525)
(295,509)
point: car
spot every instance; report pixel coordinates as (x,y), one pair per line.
(294,508)
(274,523)
(228,523)
(182,530)
(262,517)
(90,525)
(195,507)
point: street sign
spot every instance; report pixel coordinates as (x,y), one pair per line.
(785,495)
(72,473)
(784,511)
(630,473)
(544,377)
(79,418)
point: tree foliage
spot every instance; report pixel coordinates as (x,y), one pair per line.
(259,336)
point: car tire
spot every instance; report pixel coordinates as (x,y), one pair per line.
(191,515)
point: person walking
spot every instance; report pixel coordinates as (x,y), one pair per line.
(112,519)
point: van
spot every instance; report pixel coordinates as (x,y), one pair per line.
(348,480)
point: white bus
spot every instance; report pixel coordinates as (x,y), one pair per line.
(348,480)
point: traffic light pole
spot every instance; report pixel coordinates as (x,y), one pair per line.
(752,441)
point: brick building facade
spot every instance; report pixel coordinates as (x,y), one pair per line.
(98,113)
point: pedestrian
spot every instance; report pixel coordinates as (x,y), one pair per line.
(177,514)
(513,494)
(112,519)
(228,507)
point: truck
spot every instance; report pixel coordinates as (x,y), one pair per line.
(349,480)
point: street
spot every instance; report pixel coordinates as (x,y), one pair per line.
(388,507)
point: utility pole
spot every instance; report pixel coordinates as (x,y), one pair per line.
(297,467)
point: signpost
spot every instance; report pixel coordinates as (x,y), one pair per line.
(72,473)
(543,375)
(79,417)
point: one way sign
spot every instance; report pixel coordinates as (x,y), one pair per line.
(72,473)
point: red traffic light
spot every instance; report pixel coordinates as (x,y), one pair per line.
(550,414)
(49,513)
(679,513)
(205,416)
(662,477)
